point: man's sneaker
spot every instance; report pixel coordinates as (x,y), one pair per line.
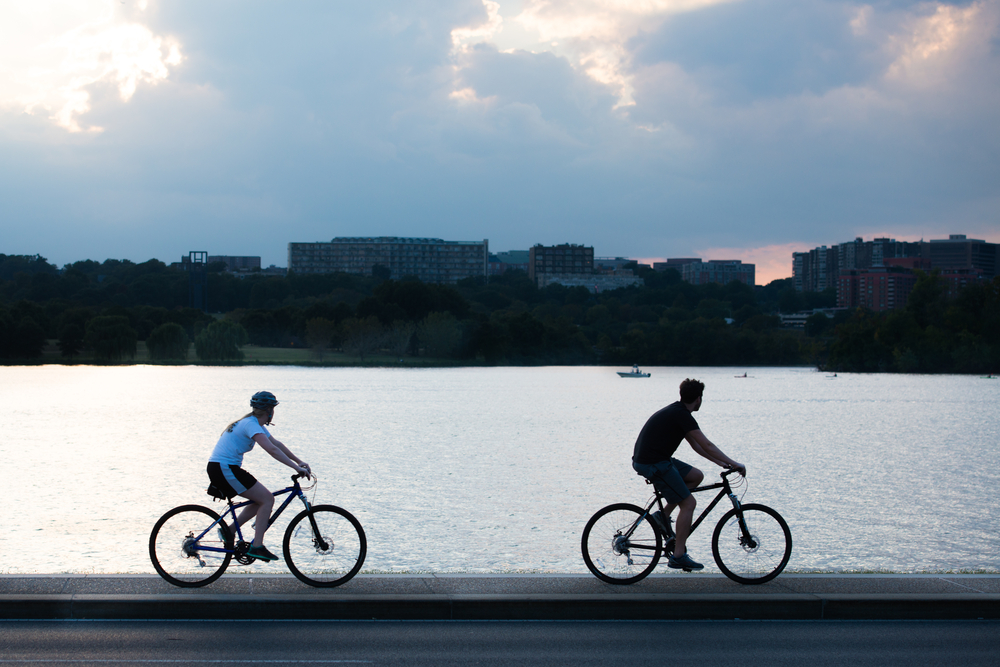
(261,553)
(683,563)
(664,523)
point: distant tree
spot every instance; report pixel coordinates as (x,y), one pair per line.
(398,339)
(168,341)
(441,335)
(24,338)
(221,341)
(70,339)
(111,337)
(818,324)
(319,332)
(362,337)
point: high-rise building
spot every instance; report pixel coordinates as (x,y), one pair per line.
(565,259)
(959,252)
(819,268)
(815,270)
(502,262)
(429,260)
(676,263)
(722,271)
(879,288)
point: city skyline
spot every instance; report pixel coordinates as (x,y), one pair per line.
(139,129)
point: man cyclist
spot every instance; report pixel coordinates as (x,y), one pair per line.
(653,459)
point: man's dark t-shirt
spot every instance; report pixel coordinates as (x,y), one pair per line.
(662,434)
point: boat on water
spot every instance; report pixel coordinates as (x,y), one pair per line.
(634,373)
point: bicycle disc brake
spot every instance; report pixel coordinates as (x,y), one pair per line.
(241,555)
(323,546)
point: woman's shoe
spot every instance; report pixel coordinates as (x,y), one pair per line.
(261,553)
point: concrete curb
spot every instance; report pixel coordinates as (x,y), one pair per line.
(502,607)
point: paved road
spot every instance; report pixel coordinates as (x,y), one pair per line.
(122,643)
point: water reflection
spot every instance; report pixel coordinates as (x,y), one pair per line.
(497,470)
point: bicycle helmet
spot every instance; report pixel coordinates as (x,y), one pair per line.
(263,399)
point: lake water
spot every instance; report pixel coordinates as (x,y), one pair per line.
(498,469)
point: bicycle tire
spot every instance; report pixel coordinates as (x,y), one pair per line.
(763,559)
(173,549)
(609,554)
(346,547)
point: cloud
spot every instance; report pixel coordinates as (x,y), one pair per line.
(55,51)
(591,34)
(928,47)
(641,128)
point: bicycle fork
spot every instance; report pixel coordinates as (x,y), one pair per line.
(318,540)
(747,539)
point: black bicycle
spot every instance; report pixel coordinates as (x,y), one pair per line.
(192,546)
(751,543)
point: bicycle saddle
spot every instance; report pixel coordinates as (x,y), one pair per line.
(216,492)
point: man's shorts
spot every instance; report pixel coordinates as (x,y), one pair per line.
(231,480)
(668,478)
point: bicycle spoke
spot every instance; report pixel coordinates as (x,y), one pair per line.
(759,557)
(335,556)
(618,547)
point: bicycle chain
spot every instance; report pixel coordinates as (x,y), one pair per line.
(240,553)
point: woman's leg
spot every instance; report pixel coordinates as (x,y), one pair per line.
(264,503)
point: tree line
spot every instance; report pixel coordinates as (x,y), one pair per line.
(105,308)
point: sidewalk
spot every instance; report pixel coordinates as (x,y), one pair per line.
(500,597)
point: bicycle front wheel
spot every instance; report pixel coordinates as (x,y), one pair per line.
(619,546)
(188,549)
(755,557)
(331,557)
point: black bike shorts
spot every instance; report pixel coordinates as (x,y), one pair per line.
(231,480)
(668,478)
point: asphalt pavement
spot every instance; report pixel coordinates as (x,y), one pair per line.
(504,597)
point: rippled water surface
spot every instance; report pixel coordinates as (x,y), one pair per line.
(498,469)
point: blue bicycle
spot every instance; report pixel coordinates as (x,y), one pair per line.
(192,546)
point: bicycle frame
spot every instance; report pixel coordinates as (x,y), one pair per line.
(294,491)
(727,490)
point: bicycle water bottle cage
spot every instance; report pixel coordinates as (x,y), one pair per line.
(216,492)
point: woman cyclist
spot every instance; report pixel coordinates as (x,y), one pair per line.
(226,474)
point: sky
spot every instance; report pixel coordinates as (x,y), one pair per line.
(721,129)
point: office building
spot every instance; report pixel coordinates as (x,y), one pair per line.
(722,271)
(879,288)
(675,263)
(429,260)
(959,252)
(565,259)
(819,268)
(502,262)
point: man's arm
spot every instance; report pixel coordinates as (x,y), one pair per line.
(703,446)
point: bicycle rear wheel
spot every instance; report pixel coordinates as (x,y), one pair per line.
(620,547)
(758,558)
(175,546)
(331,558)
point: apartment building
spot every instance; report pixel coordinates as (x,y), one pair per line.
(430,260)
(564,259)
